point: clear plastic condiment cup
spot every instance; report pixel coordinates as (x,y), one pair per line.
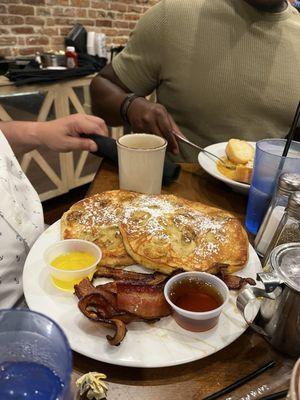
(66,279)
(191,320)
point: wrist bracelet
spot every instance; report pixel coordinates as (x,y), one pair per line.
(125,106)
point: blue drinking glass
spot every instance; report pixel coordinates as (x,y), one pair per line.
(35,357)
(268,157)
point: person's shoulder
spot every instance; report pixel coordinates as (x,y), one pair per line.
(186,8)
(182,4)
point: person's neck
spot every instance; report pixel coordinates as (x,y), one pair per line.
(276,9)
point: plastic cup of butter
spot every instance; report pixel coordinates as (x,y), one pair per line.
(71,260)
(196,299)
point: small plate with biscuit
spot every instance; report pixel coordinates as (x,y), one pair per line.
(235,152)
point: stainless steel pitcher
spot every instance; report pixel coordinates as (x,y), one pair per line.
(278,318)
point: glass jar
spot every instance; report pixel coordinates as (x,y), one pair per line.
(287,184)
(288,230)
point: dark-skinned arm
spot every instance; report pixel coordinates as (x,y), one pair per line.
(108,93)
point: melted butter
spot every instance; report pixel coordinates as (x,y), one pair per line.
(73,261)
(68,285)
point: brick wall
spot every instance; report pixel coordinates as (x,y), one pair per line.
(27,26)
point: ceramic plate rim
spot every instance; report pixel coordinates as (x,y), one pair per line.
(203,159)
(32,304)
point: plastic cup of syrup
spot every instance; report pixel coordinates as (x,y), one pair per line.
(197,299)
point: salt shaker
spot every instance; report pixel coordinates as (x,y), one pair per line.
(288,230)
(287,184)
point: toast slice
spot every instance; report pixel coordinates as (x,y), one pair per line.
(243,173)
(239,151)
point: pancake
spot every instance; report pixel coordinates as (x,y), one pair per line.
(97,219)
(166,233)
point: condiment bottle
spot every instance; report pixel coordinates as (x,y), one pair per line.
(288,230)
(287,184)
(101,45)
(71,57)
(38,59)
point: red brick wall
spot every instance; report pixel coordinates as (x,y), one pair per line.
(27,26)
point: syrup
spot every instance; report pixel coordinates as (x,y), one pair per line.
(195,295)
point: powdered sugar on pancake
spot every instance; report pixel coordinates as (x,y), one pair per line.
(154,210)
(152,215)
(98,214)
(160,232)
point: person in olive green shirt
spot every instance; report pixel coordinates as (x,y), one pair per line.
(221,69)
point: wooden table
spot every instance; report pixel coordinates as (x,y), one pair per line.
(195,380)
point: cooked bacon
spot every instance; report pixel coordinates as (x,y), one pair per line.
(97,307)
(93,306)
(220,267)
(142,300)
(234,282)
(119,334)
(120,302)
(109,287)
(136,298)
(83,288)
(123,275)
(86,287)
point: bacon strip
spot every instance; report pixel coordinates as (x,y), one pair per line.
(123,275)
(83,288)
(233,282)
(142,300)
(96,306)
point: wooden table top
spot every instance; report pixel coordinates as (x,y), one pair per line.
(198,379)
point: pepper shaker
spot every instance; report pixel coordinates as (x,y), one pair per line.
(287,184)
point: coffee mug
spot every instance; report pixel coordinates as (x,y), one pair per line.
(141,161)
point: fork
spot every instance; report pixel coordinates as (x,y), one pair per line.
(185,140)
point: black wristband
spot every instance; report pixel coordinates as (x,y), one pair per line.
(125,106)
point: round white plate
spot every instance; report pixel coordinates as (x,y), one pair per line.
(160,344)
(209,165)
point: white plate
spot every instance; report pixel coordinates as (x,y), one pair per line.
(160,344)
(210,166)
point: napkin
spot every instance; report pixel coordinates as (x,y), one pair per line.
(107,148)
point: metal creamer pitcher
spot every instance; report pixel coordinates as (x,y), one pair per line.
(278,318)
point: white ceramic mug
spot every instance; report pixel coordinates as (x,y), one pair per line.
(141,161)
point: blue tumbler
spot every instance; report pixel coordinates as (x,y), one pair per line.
(35,357)
(268,159)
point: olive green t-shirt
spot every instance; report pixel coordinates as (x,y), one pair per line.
(221,68)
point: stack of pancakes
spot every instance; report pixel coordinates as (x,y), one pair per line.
(162,232)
